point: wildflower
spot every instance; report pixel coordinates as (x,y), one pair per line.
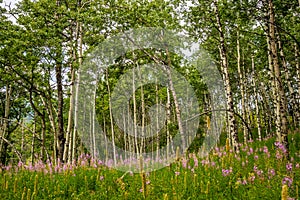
(251,177)
(287,181)
(226,172)
(212,164)
(148,182)
(297,165)
(184,162)
(177,173)
(241,182)
(101,178)
(204,162)
(259,172)
(217,149)
(289,167)
(255,168)
(278,155)
(256,157)
(195,162)
(265,150)
(281,147)
(271,173)
(20,164)
(250,150)
(141,190)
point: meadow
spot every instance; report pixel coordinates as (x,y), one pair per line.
(259,170)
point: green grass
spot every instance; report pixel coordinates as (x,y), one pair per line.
(250,177)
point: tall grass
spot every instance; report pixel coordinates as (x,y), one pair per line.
(259,170)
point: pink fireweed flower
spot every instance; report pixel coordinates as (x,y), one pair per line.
(297,165)
(278,155)
(271,173)
(148,182)
(212,164)
(251,178)
(257,171)
(204,162)
(20,164)
(101,178)
(256,157)
(255,168)
(217,149)
(281,147)
(195,162)
(226,172)
(177,173)
(289,167)
(287,181)
(250,150)
(184,163)
(265,150)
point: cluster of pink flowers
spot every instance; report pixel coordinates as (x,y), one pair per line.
(226,172)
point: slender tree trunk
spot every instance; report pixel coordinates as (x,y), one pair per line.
(60,98)
(267,109)
(43,137)
(3,145)
(255,92)
(111,121)
(281,119)
(177,108)
(241,80)
(143,112)
(157,123)
(80,55)
(298,74)
(230,106)
(294,105)
(70,116)
(49,110)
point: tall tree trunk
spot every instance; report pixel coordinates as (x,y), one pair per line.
(33,139)
(298,74)
(177,108)
(60,98)
(3,144)
(49,109)
(242,83)
(111,121)
(80,55)
(255,92)
(294,105)
(281,119)
(229,96)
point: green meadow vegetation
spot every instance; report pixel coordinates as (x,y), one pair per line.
(258,171)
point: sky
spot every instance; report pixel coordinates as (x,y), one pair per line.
(12,4)
(7,2)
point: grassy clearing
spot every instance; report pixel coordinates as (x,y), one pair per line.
(258,171)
